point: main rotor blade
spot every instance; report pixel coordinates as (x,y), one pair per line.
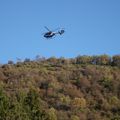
(47,29)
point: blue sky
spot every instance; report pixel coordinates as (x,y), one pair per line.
(92,28)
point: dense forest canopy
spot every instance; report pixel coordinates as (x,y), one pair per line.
(81,88)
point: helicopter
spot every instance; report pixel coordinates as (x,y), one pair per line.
(50,33)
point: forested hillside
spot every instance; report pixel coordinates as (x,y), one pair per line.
(81,88)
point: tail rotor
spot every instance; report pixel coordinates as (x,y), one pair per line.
(61,32)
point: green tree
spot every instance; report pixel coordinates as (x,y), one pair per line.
(116,60)
(103,60)
(52,114)
(4,105)
(83,59)
(33,106)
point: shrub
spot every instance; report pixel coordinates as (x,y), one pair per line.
(74,117)
(79,103)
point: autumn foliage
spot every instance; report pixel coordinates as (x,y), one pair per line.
(81,88)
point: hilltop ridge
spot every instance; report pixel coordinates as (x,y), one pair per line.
(81,88)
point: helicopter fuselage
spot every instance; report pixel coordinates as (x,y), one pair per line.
(49,34)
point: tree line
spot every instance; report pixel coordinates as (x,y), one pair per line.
(80,59)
